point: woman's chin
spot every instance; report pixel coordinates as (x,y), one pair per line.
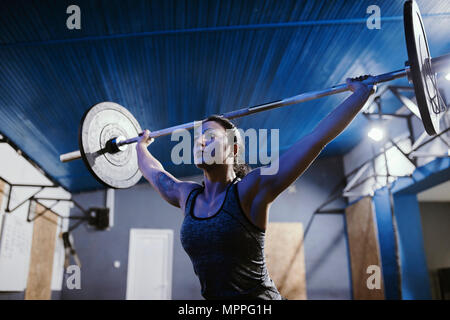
(201,165)
(205,166)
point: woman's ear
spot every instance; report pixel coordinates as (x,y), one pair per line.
(231,156)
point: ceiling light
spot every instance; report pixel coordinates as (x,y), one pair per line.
(376,133)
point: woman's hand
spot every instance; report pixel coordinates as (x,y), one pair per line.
(145,140)
(356,84)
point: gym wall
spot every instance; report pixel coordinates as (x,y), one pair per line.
(16,234)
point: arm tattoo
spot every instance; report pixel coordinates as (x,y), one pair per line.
(164,183)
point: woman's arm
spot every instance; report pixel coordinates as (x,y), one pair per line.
(170,188)
(300,155)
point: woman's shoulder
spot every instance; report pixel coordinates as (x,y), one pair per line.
(185,189)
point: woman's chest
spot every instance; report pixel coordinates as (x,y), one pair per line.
(203,208)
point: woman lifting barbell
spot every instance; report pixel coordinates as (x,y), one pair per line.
(225,218)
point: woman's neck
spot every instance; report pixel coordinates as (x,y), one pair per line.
(216,180)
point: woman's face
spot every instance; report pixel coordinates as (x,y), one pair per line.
(212,147)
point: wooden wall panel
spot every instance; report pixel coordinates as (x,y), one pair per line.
(41,260)
(364,249)
(285,258)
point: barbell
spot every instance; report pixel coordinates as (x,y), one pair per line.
(106,129)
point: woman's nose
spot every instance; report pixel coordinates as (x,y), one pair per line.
(201,141)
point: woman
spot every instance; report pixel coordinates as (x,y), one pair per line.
(225,218)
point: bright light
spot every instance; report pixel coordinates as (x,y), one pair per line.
(376,133)
(447,76)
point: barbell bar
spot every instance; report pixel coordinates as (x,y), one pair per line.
(437,63)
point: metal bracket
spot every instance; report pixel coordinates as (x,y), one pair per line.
(35,198)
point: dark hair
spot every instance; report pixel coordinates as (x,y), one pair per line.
(240,169)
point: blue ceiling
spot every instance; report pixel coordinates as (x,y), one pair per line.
(171,62)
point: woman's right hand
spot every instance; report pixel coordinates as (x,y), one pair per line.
(145,140)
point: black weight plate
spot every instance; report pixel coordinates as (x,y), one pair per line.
(102,122)
(424,80)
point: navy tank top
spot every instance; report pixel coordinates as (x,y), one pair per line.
(227,251)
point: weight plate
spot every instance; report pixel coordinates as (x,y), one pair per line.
(422,76)
(102,122)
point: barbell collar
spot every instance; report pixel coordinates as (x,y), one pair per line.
(441,63)
(74,155)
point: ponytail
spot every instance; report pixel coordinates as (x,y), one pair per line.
(241,169)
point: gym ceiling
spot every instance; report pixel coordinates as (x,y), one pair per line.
(171,62)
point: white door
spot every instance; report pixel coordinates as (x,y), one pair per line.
(150,264)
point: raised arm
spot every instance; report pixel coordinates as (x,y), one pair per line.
(300,155)
(170,188)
